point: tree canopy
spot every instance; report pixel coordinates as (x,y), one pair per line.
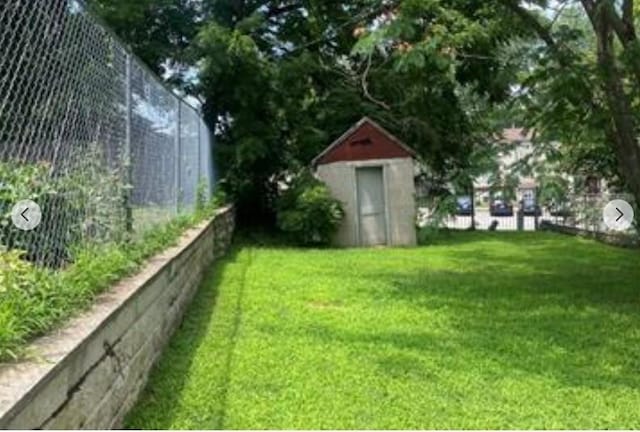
(282,79)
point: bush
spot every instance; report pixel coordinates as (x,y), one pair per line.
(46,244)
(81,203)
(96,189)
(433,225)
(308,213)
(33,299)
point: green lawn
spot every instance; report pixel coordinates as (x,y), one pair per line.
(479,330)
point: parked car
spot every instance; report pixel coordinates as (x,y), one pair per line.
(530,208)
(499,207)
(560,210)
(464,206)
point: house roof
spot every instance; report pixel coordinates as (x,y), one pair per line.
(383,145)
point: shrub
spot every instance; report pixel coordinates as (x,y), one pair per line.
(46,244)
(33,299)
(82,202)
(307,212)
(441,208)
(96,190)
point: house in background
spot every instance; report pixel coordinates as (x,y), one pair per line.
(516,146)
(372,173)
(517,149)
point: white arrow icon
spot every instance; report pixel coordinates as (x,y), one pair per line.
(26,215)
(618,215)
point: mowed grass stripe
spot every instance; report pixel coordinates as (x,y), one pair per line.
(522,330)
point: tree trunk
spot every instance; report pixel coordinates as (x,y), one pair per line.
(605,22)
(625,141)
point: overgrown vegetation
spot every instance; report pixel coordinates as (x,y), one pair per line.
(36,293)
(82,202)
(307,212)
(478,330)
(48,244)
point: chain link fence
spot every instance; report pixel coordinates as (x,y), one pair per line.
(583,212)
(90,134)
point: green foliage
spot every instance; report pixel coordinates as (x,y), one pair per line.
(282,80)
(50,242)
(159,31)
(564,97)
(479,330)
(81,203)
(97,192)
(504,185)
(220,198)
(441,207)
(282,92)
(202,191)
(26,295)
(553,189)
(34,299)
(18,181)
(308,213)
(249,150)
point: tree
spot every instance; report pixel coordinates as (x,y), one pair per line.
(591,75)
(160,32)
(283,80)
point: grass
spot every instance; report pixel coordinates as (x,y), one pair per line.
(479,330)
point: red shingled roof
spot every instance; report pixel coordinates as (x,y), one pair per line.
(366,140)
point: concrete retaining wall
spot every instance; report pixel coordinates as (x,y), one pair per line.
(89,374)
(615,239)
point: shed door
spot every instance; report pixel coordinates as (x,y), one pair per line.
(371,205)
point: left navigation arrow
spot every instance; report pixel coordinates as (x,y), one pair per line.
(26,215)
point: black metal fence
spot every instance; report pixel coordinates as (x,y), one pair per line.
(583,212)
(464,212)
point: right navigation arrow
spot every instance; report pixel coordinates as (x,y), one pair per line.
(617,215)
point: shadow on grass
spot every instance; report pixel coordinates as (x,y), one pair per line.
(567,311)
(161,400)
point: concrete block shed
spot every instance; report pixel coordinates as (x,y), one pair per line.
(372,173)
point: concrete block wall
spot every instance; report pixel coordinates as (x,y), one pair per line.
(88,374)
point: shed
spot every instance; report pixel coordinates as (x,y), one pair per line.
(372,173)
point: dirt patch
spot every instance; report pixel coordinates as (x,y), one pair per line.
(325,304)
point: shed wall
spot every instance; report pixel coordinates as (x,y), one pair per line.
(340,177)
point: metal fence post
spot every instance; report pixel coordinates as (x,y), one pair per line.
(520,218)
(199,182)
(128,163)
(178,166)
(537,210)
